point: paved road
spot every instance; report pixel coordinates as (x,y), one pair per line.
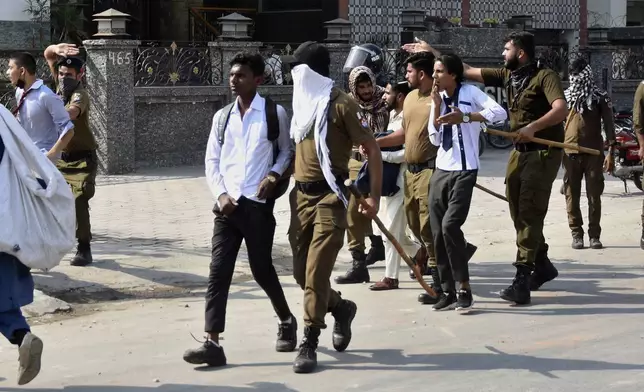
(583,332)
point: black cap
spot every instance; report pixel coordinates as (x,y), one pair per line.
(310,53)
(71,62)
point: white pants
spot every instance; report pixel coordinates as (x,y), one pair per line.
(392,215)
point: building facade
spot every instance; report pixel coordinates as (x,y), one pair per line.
(24,24)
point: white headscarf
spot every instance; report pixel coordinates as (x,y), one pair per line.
(311,97)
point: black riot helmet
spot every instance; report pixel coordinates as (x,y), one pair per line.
(368,55)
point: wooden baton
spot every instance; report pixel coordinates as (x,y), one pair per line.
(489,192)
(417,273)
(570,146)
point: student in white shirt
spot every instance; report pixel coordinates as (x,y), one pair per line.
(454,126)
(242,172)
(392,213)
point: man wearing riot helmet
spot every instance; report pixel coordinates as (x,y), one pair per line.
(78,162)
(364,90)
(367,55)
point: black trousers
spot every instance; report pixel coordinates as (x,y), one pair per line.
(255,224)
(450,196)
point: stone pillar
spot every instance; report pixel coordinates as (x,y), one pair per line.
(222,52)
(601,61)
(110,83)
(338,53)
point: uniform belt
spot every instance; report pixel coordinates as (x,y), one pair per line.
(317,187)
(419,167)
(357,156)
(74,156)
(527,147)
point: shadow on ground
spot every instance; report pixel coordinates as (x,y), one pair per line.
(259,386)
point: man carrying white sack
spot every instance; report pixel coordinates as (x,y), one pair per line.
(17,290)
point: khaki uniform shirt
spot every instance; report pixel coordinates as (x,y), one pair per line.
(585,129)
(346,128)
(83,139)
(638,110)
(534,102)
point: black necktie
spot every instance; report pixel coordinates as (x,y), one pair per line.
(447,129)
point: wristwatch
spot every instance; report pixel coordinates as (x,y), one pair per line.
(271,178)
(466,118)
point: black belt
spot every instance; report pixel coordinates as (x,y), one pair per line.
(74,156)
(316,188)
(527,147)
(357,156)
(419,167)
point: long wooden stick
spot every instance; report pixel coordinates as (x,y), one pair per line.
(394,241)
(489,192)
(570,146)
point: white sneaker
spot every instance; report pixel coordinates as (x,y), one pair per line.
(30,353)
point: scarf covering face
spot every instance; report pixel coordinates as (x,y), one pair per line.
(375,110)
(583,91)
(311,97)
(519,79)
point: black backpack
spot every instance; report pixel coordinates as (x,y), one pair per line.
(273,132)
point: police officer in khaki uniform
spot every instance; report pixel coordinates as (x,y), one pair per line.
(588,107)
(638,127)
(78,163)
(537,106)
(326,125)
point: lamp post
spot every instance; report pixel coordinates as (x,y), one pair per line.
(235,26)
(338,30)
(111,24)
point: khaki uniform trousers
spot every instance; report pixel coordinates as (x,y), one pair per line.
(316,235)
(358,226)
(590,167)
(528,180)
(416,203)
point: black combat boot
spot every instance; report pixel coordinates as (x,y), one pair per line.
(425,298)
(210,353)
(519,291)
(358,271)
(287,336)
(377,251)
(344,314)
(307,359)
(577,242)
(642,240)
(544,270)
(83,255)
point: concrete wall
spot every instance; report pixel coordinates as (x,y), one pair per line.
(173,124)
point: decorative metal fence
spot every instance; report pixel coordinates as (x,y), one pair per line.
(555,57)
(173,65)
(628,64)
(276,73)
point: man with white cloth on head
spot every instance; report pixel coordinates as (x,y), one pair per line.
(454,126)
(326,124)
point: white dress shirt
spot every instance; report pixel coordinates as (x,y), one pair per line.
(239,165)
(43,116)
(464,155)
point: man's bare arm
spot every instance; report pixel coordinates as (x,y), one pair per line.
(556,115)
(469,72)
(63,50)
(393,139)
(375,169)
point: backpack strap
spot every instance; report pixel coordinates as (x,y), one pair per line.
(222,122)
(272,125)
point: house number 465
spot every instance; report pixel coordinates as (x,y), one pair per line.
(120,58)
